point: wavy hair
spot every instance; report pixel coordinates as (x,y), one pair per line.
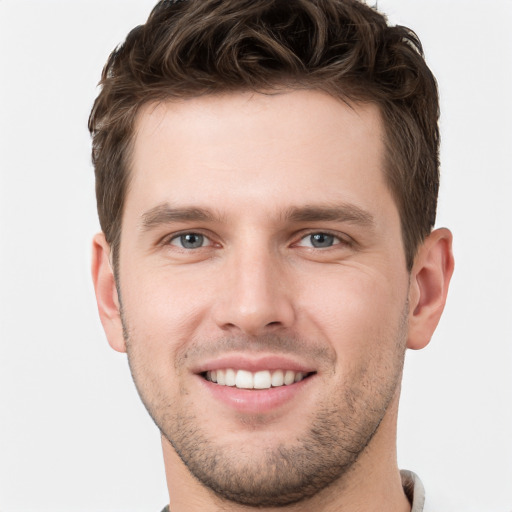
(344,47)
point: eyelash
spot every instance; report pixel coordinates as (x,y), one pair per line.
(337,240)
(178,236)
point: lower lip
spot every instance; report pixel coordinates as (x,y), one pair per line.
(256,401)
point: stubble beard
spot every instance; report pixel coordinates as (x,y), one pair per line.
(284,474)
(338,433)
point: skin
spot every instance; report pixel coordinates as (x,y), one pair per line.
(259,292)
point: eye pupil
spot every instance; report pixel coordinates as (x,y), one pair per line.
(191,240)
(322,240)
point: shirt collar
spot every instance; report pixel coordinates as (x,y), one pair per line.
(413,489)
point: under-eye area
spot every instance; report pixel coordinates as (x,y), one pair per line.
(264,379)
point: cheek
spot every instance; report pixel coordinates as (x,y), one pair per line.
(161,315)
(163,310)
(355,308)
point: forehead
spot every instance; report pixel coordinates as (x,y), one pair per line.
(274,150)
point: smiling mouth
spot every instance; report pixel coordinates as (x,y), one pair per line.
(264,379)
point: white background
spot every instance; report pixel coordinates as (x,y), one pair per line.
(73,435)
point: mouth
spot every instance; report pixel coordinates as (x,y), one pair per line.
(262,379)
(255,384)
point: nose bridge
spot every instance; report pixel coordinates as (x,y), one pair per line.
(254,296)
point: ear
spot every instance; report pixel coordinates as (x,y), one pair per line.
(430,278)
(106,293)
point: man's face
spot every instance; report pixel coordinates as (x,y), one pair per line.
(261,246)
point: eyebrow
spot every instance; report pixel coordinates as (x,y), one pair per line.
(165,214)
(338,213)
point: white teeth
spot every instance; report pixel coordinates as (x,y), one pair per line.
(230,377)
(278,378)
(289,377)
(263,379)
(244,380)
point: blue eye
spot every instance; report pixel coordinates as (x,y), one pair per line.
(190,241)
(319,240)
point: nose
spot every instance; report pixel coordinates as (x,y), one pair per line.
(254,295)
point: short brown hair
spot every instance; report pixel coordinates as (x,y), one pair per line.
(344,47)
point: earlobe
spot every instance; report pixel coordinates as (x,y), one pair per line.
(106,293)
(430,278)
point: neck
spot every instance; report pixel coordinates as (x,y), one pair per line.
(373,483)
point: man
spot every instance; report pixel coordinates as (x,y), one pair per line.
(267,177)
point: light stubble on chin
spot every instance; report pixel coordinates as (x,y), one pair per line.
(280,476)
(339,429)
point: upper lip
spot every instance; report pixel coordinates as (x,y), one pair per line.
(254,363)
